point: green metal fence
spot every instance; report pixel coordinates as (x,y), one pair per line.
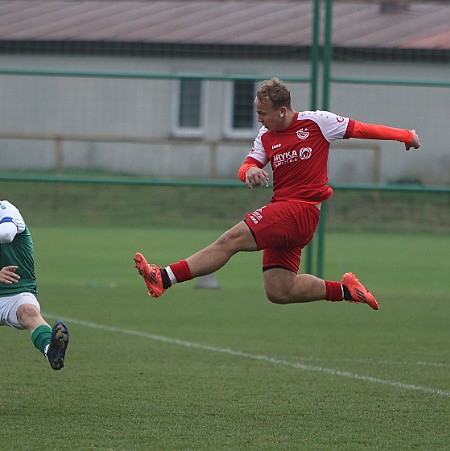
(68,108)
(217,205)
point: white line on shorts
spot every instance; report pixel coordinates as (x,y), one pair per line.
(263,358)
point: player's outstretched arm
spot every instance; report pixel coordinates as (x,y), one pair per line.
(375,131)
(8,274)
(415,143)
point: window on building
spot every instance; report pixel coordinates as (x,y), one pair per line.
(240,115)
(190,104)
(242,109)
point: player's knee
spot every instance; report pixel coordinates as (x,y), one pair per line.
(26,312)
(225,240)
(277,296)
(236,239)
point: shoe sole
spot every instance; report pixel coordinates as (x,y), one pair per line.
(142,265)
(60,340)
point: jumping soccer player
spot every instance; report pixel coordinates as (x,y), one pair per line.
(19,307)
(297,145)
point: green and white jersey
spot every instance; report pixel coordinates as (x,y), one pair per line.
(16,249)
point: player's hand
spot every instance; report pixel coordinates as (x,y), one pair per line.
(255,177)
(8,274)
(415,143)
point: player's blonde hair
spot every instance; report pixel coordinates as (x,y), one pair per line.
(274,91)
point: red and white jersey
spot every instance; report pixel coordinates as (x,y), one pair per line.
(299,154)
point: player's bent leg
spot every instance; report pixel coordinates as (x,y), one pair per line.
(204,262)
(213,257)
(286,287)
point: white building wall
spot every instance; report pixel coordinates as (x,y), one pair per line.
(144,107)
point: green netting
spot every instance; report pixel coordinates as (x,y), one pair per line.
(182,206)
(134,205)
(110,109)
(389,211)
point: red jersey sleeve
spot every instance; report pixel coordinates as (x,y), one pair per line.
(248,163)
(356,129)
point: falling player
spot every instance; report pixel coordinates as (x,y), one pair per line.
(19,306)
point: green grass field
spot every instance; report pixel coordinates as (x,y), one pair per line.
(225,368)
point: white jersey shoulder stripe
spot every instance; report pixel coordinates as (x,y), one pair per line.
(8,210)
(258,152)
(331,125)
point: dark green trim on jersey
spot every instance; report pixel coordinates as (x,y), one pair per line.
(20,252)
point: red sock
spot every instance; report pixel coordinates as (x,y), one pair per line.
(334,291)
(181,271)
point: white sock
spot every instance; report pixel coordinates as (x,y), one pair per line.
(173,279)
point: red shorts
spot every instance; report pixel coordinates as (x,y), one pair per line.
(283,229)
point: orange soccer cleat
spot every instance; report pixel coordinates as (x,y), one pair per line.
(151,275)
(358,291)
